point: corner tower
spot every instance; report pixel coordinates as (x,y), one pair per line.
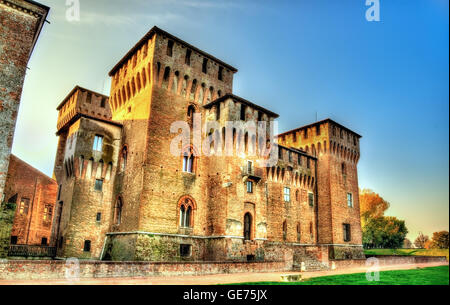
(85,166)
(338,152)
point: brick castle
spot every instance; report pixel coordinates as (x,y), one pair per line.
(124,195)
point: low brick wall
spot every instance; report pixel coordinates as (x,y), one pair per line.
(24,270)
(387,260)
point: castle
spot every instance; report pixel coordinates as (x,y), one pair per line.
(124,195)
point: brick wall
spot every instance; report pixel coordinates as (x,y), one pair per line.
(20,23)
(28,185)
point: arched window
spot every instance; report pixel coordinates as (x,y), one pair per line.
(166,77)
(189,160)
(284,230)
(190,115)
(247,226)
(124,158)
(118,211)
(186,208)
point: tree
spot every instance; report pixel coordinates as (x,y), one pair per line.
(421,240)
(384,232)
(407,244)
(371,205)
(439,240)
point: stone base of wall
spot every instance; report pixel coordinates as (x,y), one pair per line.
(346,252)
(29,270)
(7,212)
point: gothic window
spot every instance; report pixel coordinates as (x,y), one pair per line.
(188,160)
(247,226)
(186,213)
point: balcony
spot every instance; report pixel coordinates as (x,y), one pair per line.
(252,173)
(31,251)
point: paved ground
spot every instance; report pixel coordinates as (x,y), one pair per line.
(209,279)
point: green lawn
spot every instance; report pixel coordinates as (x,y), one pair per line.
(423,276)
(424,252)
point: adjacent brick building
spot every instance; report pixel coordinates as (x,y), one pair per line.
(21,22)
(124,194)
(34,195)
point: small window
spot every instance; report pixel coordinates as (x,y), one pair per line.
(249,186)
(185,250)
(308,162)
(188,161)
(290,156)
(311,199)
(88,97)
(318,130)
(103,102)
(87,246)
(287,194)
(24,206)
(44,241)
(298,232)
(13,240)
(243,112)
(218,112)
(350,200)
(98,185)
(280,153)
(205,65)
(99,217)
(306,133)
(299,160)
(170,48)
(294,137)
(343,169)
(342,134)
(247,226)
(347,232)
(48,212)
(98,143)
(284,230)
(187,59)
(220,76)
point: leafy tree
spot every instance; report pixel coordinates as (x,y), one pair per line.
(371,205)
(379,231)
(421,240)
(439,240)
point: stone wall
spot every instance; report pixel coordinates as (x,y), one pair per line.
(388,260)
(26,270)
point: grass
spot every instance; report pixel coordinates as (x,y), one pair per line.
(408,252)
(420,276)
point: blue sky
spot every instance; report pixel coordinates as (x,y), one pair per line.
(386,80)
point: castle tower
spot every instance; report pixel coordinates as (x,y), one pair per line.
(22,22)
(337,150)
(85,166)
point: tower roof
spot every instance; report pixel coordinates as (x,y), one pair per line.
(320,122)
(156,30)
(241,100)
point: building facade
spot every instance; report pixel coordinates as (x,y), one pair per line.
(173,166)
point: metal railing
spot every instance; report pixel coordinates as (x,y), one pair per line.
(31,251)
